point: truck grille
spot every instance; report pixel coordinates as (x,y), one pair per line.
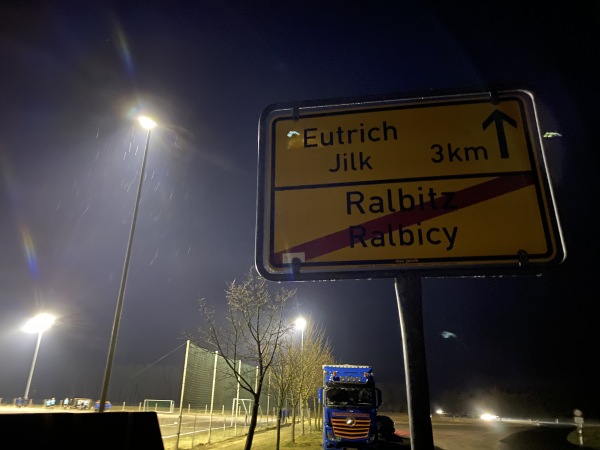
(351,427)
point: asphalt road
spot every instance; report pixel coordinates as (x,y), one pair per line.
(496,435)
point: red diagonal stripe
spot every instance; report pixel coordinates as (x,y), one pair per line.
(466,197)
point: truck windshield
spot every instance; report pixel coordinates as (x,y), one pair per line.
(363,397)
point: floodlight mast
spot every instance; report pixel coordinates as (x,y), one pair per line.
(147,123)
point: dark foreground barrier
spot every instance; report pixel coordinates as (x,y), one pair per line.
(66,431)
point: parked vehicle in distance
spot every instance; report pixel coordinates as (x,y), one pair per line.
(107,405)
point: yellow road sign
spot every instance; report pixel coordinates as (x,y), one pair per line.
(363,188)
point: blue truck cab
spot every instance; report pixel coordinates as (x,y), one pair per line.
(350,401)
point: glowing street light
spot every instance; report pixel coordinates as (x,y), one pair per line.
(37,324)
(300,324)
(147,123)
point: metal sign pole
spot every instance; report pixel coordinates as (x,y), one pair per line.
(410,310)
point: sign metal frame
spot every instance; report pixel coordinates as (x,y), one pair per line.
(370,187)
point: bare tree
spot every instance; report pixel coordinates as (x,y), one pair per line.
(308,362)
(317,352)
(282,374)
(295,360)
(255,323)
(297,373)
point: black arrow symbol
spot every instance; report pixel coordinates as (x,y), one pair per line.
(497,117)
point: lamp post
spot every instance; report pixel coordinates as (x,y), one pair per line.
(300,324)
(37,324)
(148,124)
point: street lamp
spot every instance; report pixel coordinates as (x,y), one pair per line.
(300,324)
(37,324)
(148,124)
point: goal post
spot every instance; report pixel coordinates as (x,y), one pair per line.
(159,405)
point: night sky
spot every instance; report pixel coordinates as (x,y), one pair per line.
(74,75)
